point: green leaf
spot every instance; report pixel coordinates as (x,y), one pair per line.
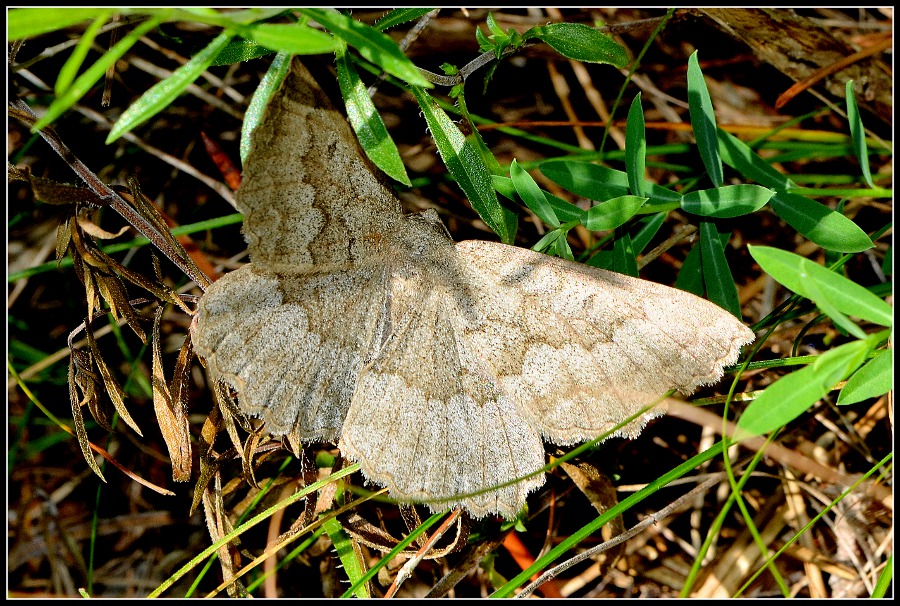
(726,201)
(400,15)
(635,148)
(739,156)
(597,182)
(241,50)
(27,22)
(270,83)
(612,213)
(365,120)
(858,133)
(371,44)
(350,557)
(295,38)
(465,165)
(690,276)
(874,379)
(789,397)
(843,294)
(716,273)
(563,250)
(648,227)
(624,259)
(532,195)
(68,71)
(164,92)
(580,42)
(90,76)
(585,179)
(826,227)
(703,120)
(810,285)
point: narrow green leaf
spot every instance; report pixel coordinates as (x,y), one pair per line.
(241,50)
(727,201)
(510,215)
(597,182)
(504,186)
(739,156)
(295,38)
(703,121)
(68,71)
(400,15)
(624,260)
(716,273)
(789,397)
(826,227)
(810,285)
(585,179)
(874,379)
(365,120)
(270,83)
(648,227)
(690,276)
(612,213)
(27,22)
(845,295)
(858,133)
(163,93)
(563,250)
(885,579)
(371,44)
(465,165)
(90,76)
(532,195)
(580,42)
(350,557)
(565,211)
(547,241)
(636,148)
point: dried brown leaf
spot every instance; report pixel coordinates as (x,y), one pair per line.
(113,390)
(172,417)
(78,418)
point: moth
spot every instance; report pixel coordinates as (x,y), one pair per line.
(441,367)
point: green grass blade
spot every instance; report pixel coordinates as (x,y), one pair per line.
(636,148)
(85,81)
(727,201)
(612,213)
(703,121)
(739,156)
(371,44)
(367,123)
(164,92)
(716,273)
(351,558)
(27,22)
(826,227)
(73,64)
(845,295)
(788,398)
(532,195)
(874,379)
(295,38)
(858,133)
(591,528)
(690,276)
(267,86)
(465,165)
(400,15)
(624,259)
